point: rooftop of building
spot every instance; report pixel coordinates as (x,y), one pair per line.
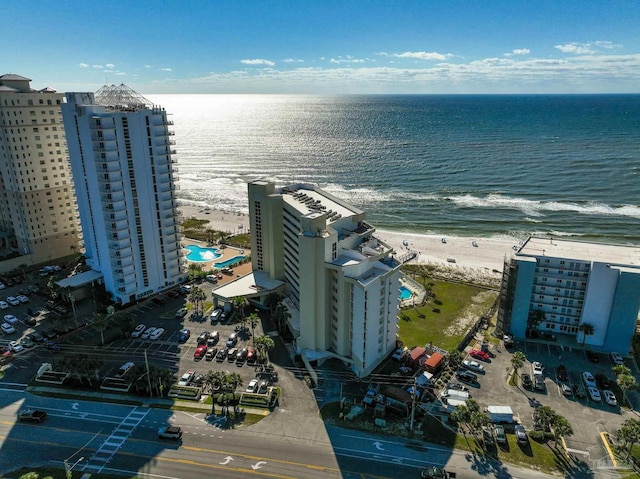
(580,251)
(308,199)
(121,98)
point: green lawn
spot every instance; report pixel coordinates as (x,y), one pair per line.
(444,324)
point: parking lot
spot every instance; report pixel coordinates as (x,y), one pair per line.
(587,417)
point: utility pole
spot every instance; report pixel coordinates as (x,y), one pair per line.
(146,362)
(413,402)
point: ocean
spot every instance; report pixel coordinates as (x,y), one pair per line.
(467,165)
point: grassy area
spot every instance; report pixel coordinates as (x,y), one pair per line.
(445,320)
(53,473)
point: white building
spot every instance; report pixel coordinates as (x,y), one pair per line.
(553,288)
(122,158)
(38,211)
(342,281)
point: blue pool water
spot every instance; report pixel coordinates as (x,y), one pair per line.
(405,293)
(229,262)
(199,254)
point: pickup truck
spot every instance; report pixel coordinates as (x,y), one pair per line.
(32,415)
(433,472)
(170,432)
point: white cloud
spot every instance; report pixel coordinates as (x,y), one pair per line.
(97,66)
(147,66)
(166,70)
(608,45)
(347,59)
(292,60)
(110,66)
(258,61)
(84,65)
(576,48)
(423,55)
(518,51)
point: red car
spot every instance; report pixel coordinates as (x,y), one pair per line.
(200,352)
(477,354)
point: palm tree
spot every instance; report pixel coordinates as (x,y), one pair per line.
(517,360)
(626,383)
(240,303)
(197,296)
(587,329)
(125,321)
(630,433)
(253,319)
(536,317)
(545,416)
(100,324)
(281,315)
(455,358)
(263,344)
(213,381)
(561,428)
(272,300)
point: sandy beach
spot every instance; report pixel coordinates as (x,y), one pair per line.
(457,253)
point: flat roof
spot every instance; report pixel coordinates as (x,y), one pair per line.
(581,250)
(252,284)
(79,279)
(308,199)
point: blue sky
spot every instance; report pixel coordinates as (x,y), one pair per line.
(326,47)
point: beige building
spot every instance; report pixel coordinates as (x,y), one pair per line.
(342,283)
(39,219)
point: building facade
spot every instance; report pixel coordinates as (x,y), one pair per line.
(38,210)
(342,280)
(576,292)
(121,153)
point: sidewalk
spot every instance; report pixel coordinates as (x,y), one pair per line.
(162,403)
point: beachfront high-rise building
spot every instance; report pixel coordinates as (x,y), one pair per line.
(122,158)
(575,292)
(342,281)
(38,211)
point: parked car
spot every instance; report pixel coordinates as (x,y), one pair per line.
(52,346)
(478,354)
(184,335)
(148,332)
(537,368)
(233,340)
(526,381)
(138,331)
(603,381)
(157,334)
(457,387)
(27,342)
(7,328)
(521,435)
(466,377)
(241,356)
(487,436)
(578,390)
(215,316)
(33,312)
(36,337)
(211,353)
(170,432)
(616,358)
(200,352)
(609,397)
(32,415)
(202,337)
(22,298)
(29,321)
(13,301)
(252,386)
(251,356)
(398,354)
(58,308)
(222,355)
(473,366)
(566,390)
(501,437)
(15,346)
(124,369)
(588,379)
(160,300)
(594,394)
(187,377)
(563,374)
(262,387)
(593,357)
(10,318)
(231,354)
(4,305)
(212,278)
(181,313)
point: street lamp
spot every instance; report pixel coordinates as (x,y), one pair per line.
(69,469)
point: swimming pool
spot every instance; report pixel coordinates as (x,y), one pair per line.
(199,254)
(229,262)
(405,293)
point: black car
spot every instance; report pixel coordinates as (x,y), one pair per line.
(33,312)
(160,300)
(49,334)
(466,377)
(202,338)
(241,356)
(593,357)
(222,355)
(30,321)
(32,415)
(562,373)
(526,381)
(458,387)
(603,381)
(52,346)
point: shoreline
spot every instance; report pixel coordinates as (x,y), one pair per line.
(458,253)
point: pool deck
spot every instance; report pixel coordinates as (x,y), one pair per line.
(227,252)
